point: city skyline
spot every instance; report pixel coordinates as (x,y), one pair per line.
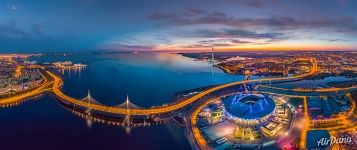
(228,25)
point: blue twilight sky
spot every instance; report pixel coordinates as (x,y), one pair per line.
(177,25)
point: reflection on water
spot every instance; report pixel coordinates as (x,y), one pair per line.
(42,124)
(149,79)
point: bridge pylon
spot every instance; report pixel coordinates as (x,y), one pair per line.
(128,106)
(127,119)
(91,102)
(89,97)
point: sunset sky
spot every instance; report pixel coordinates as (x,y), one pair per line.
(177,25)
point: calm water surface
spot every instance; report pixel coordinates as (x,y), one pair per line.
(148,78)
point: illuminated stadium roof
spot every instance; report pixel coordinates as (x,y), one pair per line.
(249,106)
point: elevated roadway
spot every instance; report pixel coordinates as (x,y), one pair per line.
(169,108)
(17,98)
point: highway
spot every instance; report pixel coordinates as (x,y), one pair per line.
(57,84)
(192,128)
(321,90)
(163,109)
(307,125)
(201,142)
(46,85)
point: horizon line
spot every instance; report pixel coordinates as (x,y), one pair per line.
(173,51)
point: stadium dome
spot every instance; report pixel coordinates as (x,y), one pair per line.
(248,108)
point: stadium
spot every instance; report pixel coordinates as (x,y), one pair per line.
(249,109)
